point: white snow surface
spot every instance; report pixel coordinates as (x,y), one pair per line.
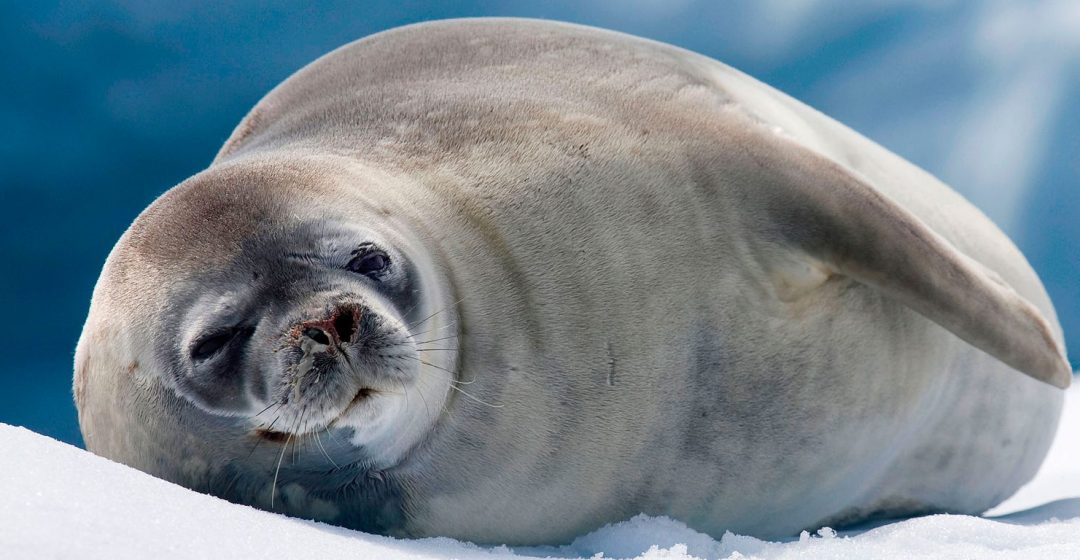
(58,501)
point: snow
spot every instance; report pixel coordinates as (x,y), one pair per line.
(58,501)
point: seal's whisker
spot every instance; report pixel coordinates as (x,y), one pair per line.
(436,339)
(405,391)
(433,329)
(318,440)
(404,336)
(444,308)
(331,434)
(410,309)
(259,440)
(404,343)
(300,432)
(477,399)
(448,337)
(268,407)
(427,408)
(454,382)
(453,374)
(273,485)
(271,426)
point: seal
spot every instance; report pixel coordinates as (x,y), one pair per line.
(511,280)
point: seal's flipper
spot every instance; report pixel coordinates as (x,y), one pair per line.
(820,208)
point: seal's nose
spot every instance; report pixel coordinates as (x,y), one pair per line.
(344,322)
(339,326)
(317,334)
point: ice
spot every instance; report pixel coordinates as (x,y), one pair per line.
(58,501)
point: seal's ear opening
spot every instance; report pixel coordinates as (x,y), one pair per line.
(826,212)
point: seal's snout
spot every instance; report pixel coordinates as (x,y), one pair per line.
(338,327)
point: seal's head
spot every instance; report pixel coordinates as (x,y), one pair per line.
(265,334)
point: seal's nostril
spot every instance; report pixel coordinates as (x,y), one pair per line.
(343,324)
(317,334)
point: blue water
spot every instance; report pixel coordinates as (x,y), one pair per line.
(103,106)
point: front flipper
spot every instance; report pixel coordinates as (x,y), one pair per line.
(825,212)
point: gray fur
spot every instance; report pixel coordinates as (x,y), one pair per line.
(670,289)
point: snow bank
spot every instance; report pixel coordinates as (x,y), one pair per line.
(60,501)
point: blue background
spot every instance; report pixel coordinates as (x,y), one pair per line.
(103,106)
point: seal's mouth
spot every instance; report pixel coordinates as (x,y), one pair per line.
(272,436)
(362,397)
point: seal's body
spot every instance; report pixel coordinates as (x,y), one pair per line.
(510,280)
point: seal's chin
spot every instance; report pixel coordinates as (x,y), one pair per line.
(363,398)
(384,424)
(361,405)
(387,423)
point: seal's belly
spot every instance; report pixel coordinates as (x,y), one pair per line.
(824,418)
(846,424)
(803,422)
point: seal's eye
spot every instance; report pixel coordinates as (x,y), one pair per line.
(369,262)
(210,345)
